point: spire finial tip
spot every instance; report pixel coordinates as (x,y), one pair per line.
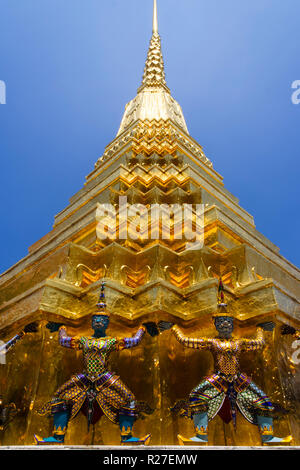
(155,22)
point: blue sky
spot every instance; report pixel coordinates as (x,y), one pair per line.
(70,66)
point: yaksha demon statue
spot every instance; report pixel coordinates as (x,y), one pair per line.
(9,411)
(96,391)
(228,389)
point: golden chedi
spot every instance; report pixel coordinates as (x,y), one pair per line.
(154,271)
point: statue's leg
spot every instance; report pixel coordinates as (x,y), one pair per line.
(200,400)
(61,415)
(258,409)
(126,421)
(265,424)
(201,431)
(126,424)
(201,427)
(120,406)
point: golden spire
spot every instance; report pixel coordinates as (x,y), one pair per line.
(154,72)
(154,100)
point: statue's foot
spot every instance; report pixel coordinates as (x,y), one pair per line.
(40,441)
(277,441)
(198,439)
(192,441)
(136,441)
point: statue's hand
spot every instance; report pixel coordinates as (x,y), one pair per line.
(165,325)
(31,327)
(287,330)
(53,327)
(151,328)
(267,326)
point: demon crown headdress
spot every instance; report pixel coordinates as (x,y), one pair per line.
(101,304)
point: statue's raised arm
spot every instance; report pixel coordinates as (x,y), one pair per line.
(30,328)
(128,343)
(194,343)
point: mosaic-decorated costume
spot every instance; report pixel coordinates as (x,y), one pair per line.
(227,389)
(96,391)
